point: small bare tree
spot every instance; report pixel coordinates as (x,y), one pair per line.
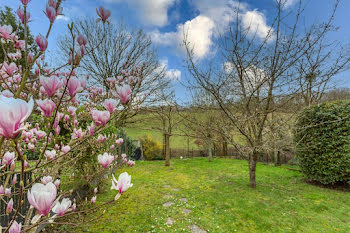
(204,120)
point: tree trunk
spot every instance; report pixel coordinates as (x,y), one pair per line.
(224,148)
(210,154)
(276,154)
(167,150)
(252,169)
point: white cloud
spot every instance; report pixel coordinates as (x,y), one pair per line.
(172,74)
(154,12)
(62,17)
(255,24)
(254,78)
(222,12)
(215,18)
(198,32)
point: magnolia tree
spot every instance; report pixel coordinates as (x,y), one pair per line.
(52,113)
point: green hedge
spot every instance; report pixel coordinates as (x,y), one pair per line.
(322,137)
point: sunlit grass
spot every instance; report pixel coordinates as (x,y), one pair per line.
(221,201)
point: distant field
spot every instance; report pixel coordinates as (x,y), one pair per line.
(145,122)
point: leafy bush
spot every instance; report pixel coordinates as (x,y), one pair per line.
(322,137)
(151,148)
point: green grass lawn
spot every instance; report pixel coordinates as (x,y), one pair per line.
(220,200)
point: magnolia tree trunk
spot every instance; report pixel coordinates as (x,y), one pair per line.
(252,169)
(210,154)
(167,150)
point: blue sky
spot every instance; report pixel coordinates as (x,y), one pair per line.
(165,20)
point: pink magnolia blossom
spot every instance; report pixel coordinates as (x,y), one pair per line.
(41,41)
(46,107)
(61,208)
(37,71)
(119,141)
(57,183)
(10,69)
(100,117)
(46,179)
(6,32)
(31,146)
(124,156)
(74,207)
(20,14)
(7,93)
(91,129)
(25,2)
(30,57)
(65,149)
(78,134)
(8,192)
(93,200)
(110,105)
(72,110)
(9,206)
(95,190)
(51,84)
(16,228)
(131,163)
(12,166)
(82,40)
(103,14)
(41,197)
(27,134)
(83,82)
(105,160)
(14,180)
(57,130)
(101,138)
(40,134)
(8,158)
(50,155)
(12,115)
(59,116)
(74,86)
(123,93)
(123,183)
(50,12)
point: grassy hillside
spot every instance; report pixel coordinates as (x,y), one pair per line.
(146,124)
(218,199)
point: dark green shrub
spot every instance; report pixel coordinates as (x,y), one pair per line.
(322,137)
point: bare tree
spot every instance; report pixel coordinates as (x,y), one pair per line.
(113,50)
(204,120)
(165,113)
(253,77)
(318,66)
